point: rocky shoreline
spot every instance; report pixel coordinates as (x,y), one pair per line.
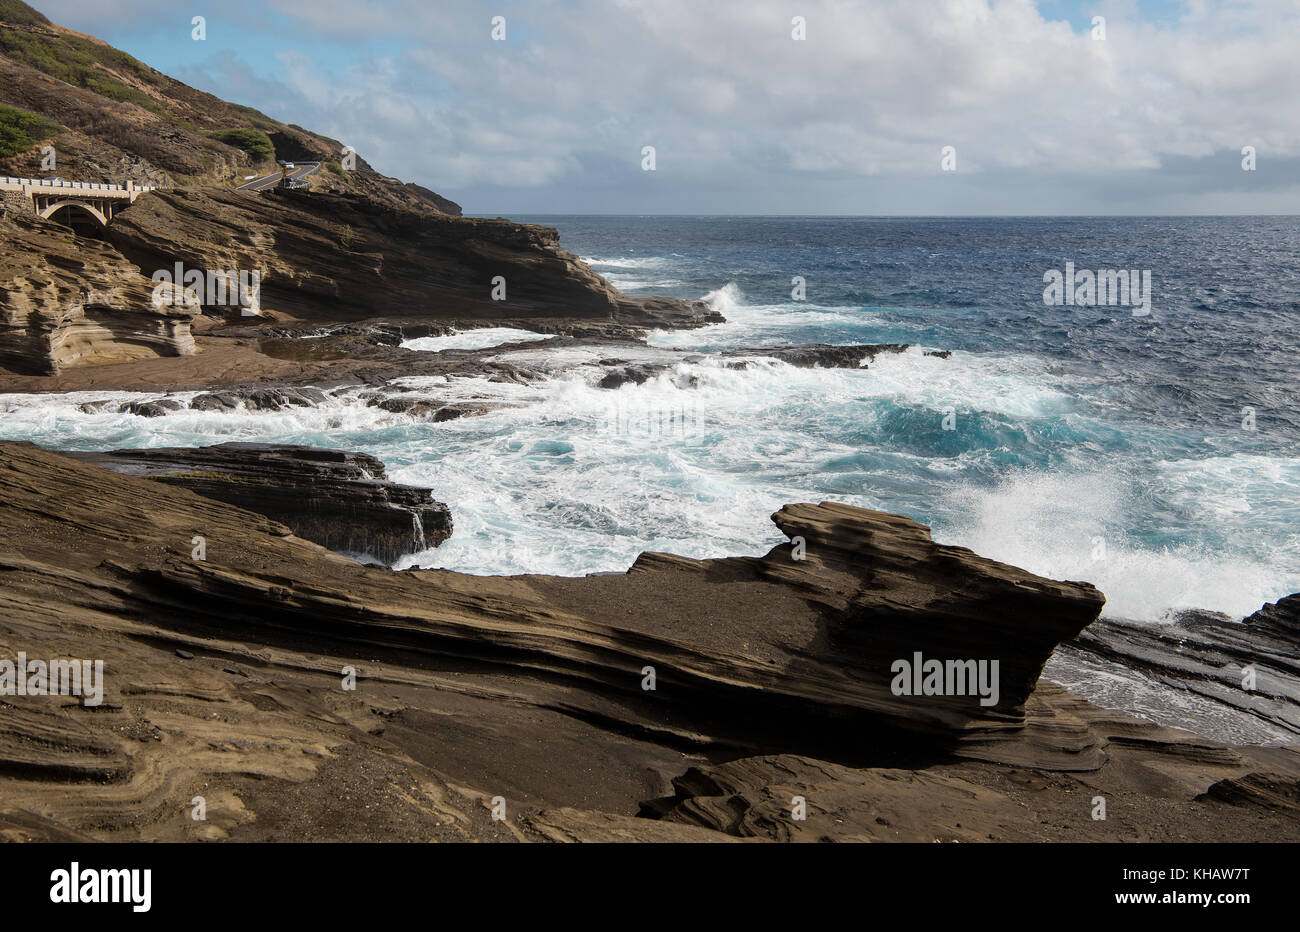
(858,682)
(252,661)
(771,678)
(1247,665)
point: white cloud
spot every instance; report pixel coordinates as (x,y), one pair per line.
(726,95)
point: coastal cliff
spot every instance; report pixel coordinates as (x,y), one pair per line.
(68,301)
(336,257)
(352,245)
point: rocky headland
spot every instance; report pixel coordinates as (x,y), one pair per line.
(259,653)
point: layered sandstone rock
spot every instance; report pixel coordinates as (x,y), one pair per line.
(335,256)
(338,499)
(1250,667)
(69,301)
(228,677)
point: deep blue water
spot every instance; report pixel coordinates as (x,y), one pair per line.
(1223,331)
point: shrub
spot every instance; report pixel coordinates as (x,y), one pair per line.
(335,167)
(253,141)
(75,60)
(20,130)
(20,14)
(257,117)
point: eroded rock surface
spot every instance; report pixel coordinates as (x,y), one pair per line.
(225,677)
(329,256)
(338,499)
(1251,666)
(68,301)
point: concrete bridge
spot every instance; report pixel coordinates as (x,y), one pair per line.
(82,205)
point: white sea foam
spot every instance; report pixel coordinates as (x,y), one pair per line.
(1078,526)
(482,338)
(760,325)
(623,283)
(625,262)
(554,484)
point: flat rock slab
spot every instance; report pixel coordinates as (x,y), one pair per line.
(339,499)
(1251,665)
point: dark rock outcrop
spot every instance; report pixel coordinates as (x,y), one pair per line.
(158,408)
(802,355)
(809,355)
(436,411)
(620,374)
(338,499)
(1279,621)
(889,592)
(259,399)
(1251,666)
(330,257)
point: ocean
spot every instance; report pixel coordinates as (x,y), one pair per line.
(1156,455)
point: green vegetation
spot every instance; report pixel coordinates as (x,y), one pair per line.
(80,62)
(335,167)
(20,130)
(257,117)
(346,237)
(20,14)
(254,142)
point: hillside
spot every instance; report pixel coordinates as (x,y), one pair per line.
(355,246)
(116,119)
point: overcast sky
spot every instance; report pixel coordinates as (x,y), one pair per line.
(745,119)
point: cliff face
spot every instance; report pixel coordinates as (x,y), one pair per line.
(321,258)
(67,301)
(333,257)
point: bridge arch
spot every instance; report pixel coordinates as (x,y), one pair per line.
(73,202)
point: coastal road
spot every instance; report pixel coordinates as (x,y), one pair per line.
(300,170)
